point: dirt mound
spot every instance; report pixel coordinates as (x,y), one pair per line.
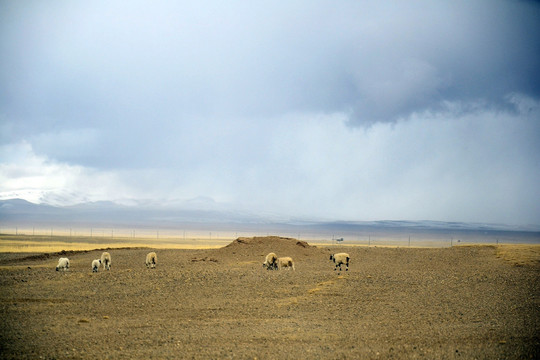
(268,240)
(253,247)
(23,258)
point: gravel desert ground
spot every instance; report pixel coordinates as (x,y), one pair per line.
(467,302)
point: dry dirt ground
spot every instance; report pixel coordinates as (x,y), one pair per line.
(460,302)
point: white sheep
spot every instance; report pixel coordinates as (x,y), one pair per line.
(106,260)
(270,263)
(339,259)
(63,264)
(151,260)
(285,262)
(95,265)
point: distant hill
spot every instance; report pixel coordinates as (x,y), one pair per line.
(110,214)
(203,215)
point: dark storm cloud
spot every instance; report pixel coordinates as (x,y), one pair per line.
(100,62)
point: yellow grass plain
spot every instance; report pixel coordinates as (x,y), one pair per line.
(39,244)
(518,254)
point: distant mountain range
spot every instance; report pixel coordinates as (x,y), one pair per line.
(203,214)
(104,213)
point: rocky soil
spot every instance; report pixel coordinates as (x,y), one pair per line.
(460,302)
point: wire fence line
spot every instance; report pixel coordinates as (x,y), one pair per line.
(175,235)
(114,233)
(222,237)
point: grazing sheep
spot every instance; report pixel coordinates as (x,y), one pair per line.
(95,265)
(63,264)
(151,260)
(339,259)
(106,260)
(285,262)
(270,263)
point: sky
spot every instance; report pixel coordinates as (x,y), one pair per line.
(323,110)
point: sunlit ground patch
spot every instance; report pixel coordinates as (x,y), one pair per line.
(519,255)
(24,243)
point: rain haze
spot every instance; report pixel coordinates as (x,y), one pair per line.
(323,110)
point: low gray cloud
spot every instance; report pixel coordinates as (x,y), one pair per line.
(380,62)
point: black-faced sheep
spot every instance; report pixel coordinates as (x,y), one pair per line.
(151,260)
(270,263)
(63,264)
(339,259)
(95,265)
(106,260)
(285,262)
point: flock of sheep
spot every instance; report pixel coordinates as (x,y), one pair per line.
(272,262)
(63,263)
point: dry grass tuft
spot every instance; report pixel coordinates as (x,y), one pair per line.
(519,255)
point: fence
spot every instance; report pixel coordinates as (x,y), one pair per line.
(216,237)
